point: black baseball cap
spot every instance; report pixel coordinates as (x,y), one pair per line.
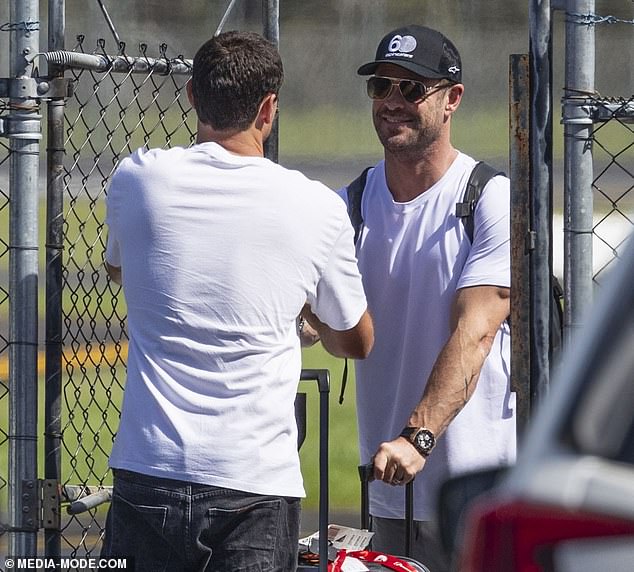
(422,50)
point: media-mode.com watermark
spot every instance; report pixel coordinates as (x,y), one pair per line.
(67,564)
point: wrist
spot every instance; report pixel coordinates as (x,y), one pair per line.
(421,438)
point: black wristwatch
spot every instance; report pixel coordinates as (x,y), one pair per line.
(422,439)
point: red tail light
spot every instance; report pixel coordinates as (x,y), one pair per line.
(520,537)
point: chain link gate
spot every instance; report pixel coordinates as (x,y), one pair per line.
(120,102)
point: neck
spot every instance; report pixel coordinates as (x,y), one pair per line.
(408,177)
(248,143)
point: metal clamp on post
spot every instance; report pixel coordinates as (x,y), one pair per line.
(36,88)
(21,126)
(577,111)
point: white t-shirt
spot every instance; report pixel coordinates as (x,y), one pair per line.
(219,253)
(413,257)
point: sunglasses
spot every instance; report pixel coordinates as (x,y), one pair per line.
(412,91)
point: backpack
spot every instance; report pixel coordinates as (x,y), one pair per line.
(481,174)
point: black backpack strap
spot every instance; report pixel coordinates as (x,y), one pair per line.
(482,173)
(355,192)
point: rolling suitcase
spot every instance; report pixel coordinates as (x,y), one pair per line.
(377,561)
(322,377)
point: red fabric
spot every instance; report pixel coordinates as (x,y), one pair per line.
(385,560)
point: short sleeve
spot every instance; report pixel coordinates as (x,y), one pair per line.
(113,254)
(489,260)
(339,299)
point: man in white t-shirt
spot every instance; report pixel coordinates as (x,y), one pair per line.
(219,251)
(433,397)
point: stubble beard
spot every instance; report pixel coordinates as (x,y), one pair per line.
(410,142)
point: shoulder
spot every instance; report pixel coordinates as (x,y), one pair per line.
(365,178)
(316,198)
(143,158)
(498,188)
(497,183)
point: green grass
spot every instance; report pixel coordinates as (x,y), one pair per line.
(329,133)
(344,456)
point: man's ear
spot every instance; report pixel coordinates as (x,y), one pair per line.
(268,109)
(190,93)
(454,97)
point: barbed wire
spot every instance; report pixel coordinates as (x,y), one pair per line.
(593,19)
(31,26)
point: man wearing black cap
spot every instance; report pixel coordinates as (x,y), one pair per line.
(433,397)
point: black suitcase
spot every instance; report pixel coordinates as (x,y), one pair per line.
(365,475)
(322,377)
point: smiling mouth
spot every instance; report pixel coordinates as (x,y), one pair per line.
(395,119)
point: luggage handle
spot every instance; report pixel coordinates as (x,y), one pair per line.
(322,377)
(366,474)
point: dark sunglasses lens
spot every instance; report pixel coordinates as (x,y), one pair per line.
(379,87)
(412,90)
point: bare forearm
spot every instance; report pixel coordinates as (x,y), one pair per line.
(452,381)
(354,343)
(476,317)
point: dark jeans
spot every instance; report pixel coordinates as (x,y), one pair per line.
(168,525)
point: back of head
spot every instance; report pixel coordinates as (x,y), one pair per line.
(232,74)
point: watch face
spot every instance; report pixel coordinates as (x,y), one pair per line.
(425,440)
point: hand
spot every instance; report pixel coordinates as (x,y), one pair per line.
(308,335)
(397,462)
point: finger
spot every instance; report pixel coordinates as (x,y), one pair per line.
(380,463)
(400,475)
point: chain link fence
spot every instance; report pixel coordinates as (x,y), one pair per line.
(4,307)
(118,103)
(613,184)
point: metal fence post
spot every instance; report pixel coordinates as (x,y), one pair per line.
(540,148)
(24,137)
(54,268)
(271,21)
(578,171)
(519,111)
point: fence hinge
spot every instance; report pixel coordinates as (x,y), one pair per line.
(530,241)
(51,503)
(40,506)
(36,88)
